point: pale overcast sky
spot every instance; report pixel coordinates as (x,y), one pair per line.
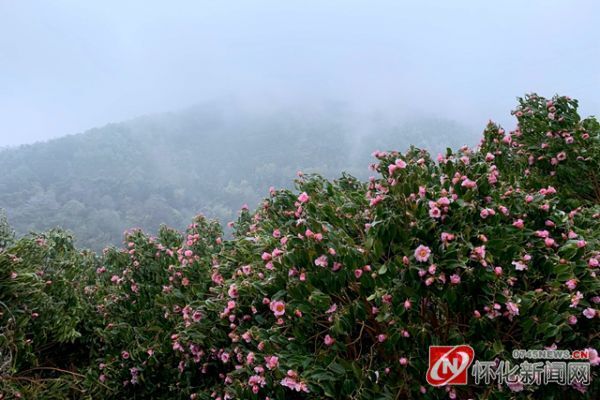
(67,66)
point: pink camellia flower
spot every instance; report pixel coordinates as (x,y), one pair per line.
(291,381)
(407,304)
(572,320)
(403,361)
(422,253)
(593,356)
(484,213)
(549,242)
(571,284)
(512,308)
(519,224)
(581,243)
(276,253)
(575,299)
(376,200)
(271,362)
(542,234)
(304,197)
(593,262)
(478,252)
(125,355)
(435,212)
(444,201)
(321,261)
(358,273)
(217,278)
(469,184)
(328,340)
(224,357)
(278,308)
(589,313)
(381,338)
(454,279)
(528,198)
(447,237)
(196,316)
(233,291)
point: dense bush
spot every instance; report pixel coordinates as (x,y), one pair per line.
(45,321)
(333,291)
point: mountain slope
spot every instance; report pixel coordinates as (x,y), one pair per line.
(210,159)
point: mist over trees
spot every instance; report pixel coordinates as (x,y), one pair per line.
(211,159)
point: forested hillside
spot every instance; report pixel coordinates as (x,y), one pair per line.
(164,169)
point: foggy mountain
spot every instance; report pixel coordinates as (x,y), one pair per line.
(210,159)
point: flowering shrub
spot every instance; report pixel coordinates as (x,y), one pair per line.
(551,145)
(45,323)
(337,290)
